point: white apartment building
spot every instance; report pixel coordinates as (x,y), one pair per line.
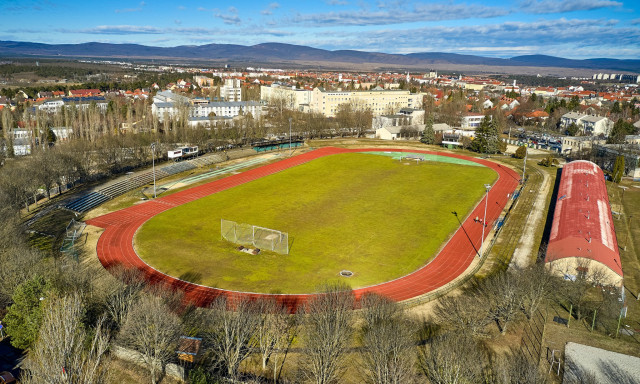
(589,125)
(167,104)
(295,98)
(471,121)
(380,101)
(231,90)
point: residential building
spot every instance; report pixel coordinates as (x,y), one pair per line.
(378,100)
(587,124)
(168,104)
(471,120)
(576,144)
(295,98)
(231,90)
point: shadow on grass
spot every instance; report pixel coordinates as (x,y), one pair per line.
(192,277)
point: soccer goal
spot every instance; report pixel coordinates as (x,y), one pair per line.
(259,237)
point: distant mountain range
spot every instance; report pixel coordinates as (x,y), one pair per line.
(278,53)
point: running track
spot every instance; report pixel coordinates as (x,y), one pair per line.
(115,245)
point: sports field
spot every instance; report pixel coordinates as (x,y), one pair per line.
(373,215)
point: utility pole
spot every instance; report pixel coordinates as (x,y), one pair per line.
(289,137)
(153,165)
(484,221)
(524,164)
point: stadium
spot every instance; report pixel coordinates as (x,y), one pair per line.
(298,244)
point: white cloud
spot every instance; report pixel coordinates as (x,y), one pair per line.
(127,10)
(393,13)
(562,6)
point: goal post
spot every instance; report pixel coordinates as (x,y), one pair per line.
(259,237)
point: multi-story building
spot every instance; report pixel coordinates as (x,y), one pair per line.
(378,100)
(471,120)
(293,97)
(168,104)
(587,124)
(231,90)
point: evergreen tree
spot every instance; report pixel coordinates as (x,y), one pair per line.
(487,138)
(428,135)
(618,169)
(620,129)
(25,315)
(520,152)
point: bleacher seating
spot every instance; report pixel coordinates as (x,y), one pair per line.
(87,202)
(98,197)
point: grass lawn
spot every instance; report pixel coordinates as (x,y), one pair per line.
(369,214)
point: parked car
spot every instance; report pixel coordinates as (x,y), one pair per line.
(6,378)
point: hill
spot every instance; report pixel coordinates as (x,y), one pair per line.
(283,54)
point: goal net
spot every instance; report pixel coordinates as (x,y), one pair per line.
(259,237)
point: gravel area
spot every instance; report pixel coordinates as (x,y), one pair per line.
(522,256)
(584,364)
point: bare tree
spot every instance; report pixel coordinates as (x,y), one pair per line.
(153,330)
(516,368)
(231,331)
(453,359)
(126,292)
(326,334)
(537,285)
(276,328)
(502,297)
(388,340)
(61,354)
(465,313)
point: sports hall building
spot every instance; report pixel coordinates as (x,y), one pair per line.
(583,240)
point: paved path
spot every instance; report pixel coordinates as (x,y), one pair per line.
(115,245)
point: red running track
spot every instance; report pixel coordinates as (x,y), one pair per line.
(115,246)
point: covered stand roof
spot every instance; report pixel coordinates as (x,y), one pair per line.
(582,222)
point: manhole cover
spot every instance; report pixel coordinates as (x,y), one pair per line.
(345,273)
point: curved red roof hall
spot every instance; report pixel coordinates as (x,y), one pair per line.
(582,222)
(115,245)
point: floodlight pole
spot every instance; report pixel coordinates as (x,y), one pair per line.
(153,165)
(524,164)
(484,221)
(289,137)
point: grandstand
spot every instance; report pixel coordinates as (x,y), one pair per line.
(97,197)
(583,239)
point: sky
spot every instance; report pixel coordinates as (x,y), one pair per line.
(576,29)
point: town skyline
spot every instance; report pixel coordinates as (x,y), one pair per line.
(570,29)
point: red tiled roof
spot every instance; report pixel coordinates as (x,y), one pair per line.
(582,222)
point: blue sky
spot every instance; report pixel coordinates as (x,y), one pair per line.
(566,28)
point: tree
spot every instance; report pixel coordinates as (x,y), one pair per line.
(466,313)
(151,329)
(230,332)
(276,328)
(128,287)
(25,315)
(326,333)
(619,131)
(453,358)
(388,339)
(548,161)
(64,353)
(618,169)
(502,297)
(573,129)
(486,138)
(520,152)
(536,286)
(428,135)
(516,368)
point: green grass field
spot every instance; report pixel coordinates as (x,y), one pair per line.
(373,215)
